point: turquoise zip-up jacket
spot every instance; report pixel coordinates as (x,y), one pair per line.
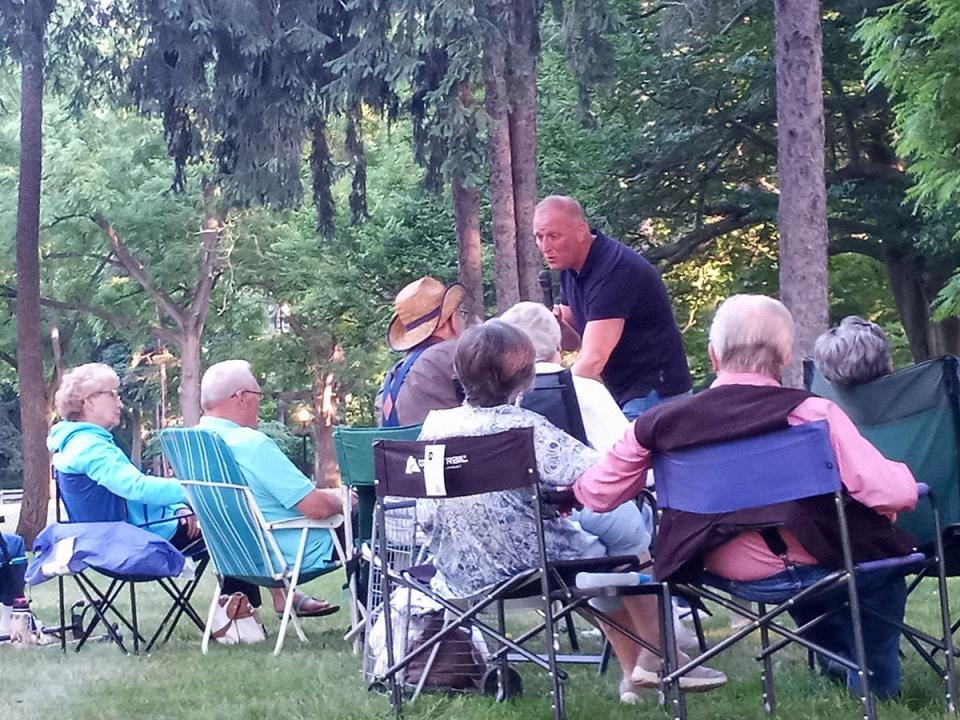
(88,449)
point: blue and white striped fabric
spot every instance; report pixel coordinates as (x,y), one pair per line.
(232,530)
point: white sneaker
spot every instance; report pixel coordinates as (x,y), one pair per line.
(700,679)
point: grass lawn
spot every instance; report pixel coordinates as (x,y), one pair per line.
(322,680)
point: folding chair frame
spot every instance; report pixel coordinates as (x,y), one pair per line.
(103,602)
(281,573)
(544,578)
(764,620)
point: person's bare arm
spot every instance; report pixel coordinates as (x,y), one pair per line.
(321,503)
(600,337)
(569,338)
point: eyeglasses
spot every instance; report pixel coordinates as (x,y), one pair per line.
(238,393)
(112,393)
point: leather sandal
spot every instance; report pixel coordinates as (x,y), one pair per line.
(302,599)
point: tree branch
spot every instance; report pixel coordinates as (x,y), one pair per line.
(116,319)
(853,143)
(667,255)
(213,218)
(136,270)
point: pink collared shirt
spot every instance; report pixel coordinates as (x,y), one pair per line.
(884,485)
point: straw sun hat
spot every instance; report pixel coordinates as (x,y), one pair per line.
(420,308)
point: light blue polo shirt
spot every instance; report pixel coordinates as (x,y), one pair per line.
(277,487)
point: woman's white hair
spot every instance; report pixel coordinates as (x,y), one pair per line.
(222,380)
(855,352)
(752,333)
(80,383)
(540,326)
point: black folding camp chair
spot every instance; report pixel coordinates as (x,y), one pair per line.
(913,416)
(465,467)
(778,467)
(103,600)
(554,396)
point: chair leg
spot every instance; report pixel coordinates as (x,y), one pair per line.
(859,650)
(208,628)
(133,617)
(670,694)
(605,653)
(572,633)
(769,696)
(291,592)
(63,615)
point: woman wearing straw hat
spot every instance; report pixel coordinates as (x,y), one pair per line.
(427,320)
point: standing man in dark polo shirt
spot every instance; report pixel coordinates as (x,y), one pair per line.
(426,323)
(613,308)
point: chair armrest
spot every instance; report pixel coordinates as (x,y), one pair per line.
(298,523)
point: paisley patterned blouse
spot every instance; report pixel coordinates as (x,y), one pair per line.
(485,539)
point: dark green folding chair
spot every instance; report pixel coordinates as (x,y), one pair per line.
(913,416)
(354,447)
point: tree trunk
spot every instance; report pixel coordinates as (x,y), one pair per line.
(33,401)
(523,50)
(501,172)
(913,290)
(325,470)
(136,436)
(189,391)
(800,163)
(466,212)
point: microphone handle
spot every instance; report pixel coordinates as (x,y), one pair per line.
(546,285)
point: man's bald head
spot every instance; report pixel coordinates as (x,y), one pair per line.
(564,204)
(752,333)
(562,232)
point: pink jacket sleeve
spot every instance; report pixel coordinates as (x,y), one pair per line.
(884,485)
(619,476)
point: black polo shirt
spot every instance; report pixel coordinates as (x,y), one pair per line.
(617,282)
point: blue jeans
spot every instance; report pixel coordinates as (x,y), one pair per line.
(11,576)
(883,592)
(634,407)
(623,530)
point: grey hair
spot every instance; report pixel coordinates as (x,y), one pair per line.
(856,351)
(540,326)
(222,380)
(494,362)
(80,383)
(752,333)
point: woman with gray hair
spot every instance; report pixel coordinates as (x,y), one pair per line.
(603,420)
(856,351)
(478,541)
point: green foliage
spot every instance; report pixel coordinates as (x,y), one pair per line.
(912,49)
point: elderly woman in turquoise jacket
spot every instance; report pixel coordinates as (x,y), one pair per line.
(97,480)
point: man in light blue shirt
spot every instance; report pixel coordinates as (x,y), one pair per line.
(230,397)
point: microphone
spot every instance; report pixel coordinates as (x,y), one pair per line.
(546,286)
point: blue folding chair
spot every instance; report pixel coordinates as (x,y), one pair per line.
(788,465)
(240,540)
(92,512)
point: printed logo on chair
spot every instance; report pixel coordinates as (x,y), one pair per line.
(433,466)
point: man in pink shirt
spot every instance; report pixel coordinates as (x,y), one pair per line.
(751,341)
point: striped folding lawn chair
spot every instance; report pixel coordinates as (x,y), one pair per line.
(241,541)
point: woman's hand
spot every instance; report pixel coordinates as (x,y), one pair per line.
(188,519)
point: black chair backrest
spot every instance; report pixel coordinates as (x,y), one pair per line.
(455,466)
(555,397)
